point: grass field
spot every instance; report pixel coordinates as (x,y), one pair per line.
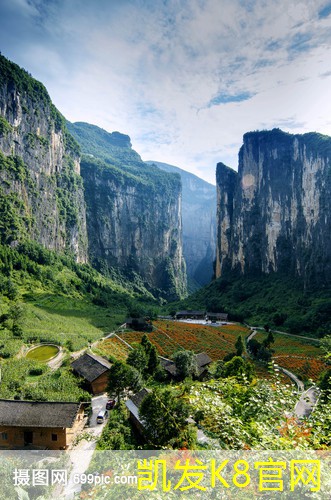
(67,321)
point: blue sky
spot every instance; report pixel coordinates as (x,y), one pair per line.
(184,78)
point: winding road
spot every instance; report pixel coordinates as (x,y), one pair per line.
(308,398)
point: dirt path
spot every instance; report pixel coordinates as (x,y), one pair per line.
(56,362)
(81,454)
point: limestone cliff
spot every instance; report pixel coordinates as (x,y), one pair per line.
(41,192)
(199,225)
(274,215)
(133,212)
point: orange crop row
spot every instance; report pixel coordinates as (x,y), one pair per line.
(285,344)
(169,336)
(306,367)
(114,347)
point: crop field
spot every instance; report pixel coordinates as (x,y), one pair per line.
(114,347)
(305,367)
(302,357)
(169,336)
(56,319)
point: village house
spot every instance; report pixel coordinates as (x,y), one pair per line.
(40,424)
(202,363)
(94,370)
(214,317)
(191,315)
(138,324)
(133,405)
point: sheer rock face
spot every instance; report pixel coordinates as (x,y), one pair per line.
(32,131)
(274,214)
(134,212)
(129,215)
(136,227)
(199,224)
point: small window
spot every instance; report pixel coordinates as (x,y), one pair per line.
(54,437)
(4,436)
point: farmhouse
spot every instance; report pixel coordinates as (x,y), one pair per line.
(39,424)
(213,317)
(133,405)
(202,362)
(190,315)
(94,370)
(138,324)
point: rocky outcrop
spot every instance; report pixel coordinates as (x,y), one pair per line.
(41,192)
(199,225)
(274,215)
(133,213)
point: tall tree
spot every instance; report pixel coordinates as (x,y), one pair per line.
(138,358)
(153,362)
(239,345)
(165,418)
(269,340)
(122,378)
(186,365)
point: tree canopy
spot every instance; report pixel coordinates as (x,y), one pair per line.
(165,419)
(186,365)
(122,378)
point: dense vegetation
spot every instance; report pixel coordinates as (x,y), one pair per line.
(114,152)
(48,297)
(274,299)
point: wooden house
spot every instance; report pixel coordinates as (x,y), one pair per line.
(202,363)
(214,317)
(94,370)
(191,315)
(133,405)
(139,324)
(39,424)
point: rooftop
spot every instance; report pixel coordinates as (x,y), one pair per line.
(90,366)
(135,401)
(37,413)
(202,360)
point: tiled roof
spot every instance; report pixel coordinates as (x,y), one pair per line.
(90,366)
(37,413)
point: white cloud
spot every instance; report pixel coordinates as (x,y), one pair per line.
(156,70)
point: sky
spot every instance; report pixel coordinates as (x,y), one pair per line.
(184,78)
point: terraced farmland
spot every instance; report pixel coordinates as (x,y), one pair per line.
(302,357)
(114,347)
(169,336)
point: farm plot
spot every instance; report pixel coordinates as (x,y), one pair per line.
(169,336)
(114,347)
(302,357)
(303,366)
(215,341)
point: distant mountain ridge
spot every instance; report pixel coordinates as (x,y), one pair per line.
(199,224)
